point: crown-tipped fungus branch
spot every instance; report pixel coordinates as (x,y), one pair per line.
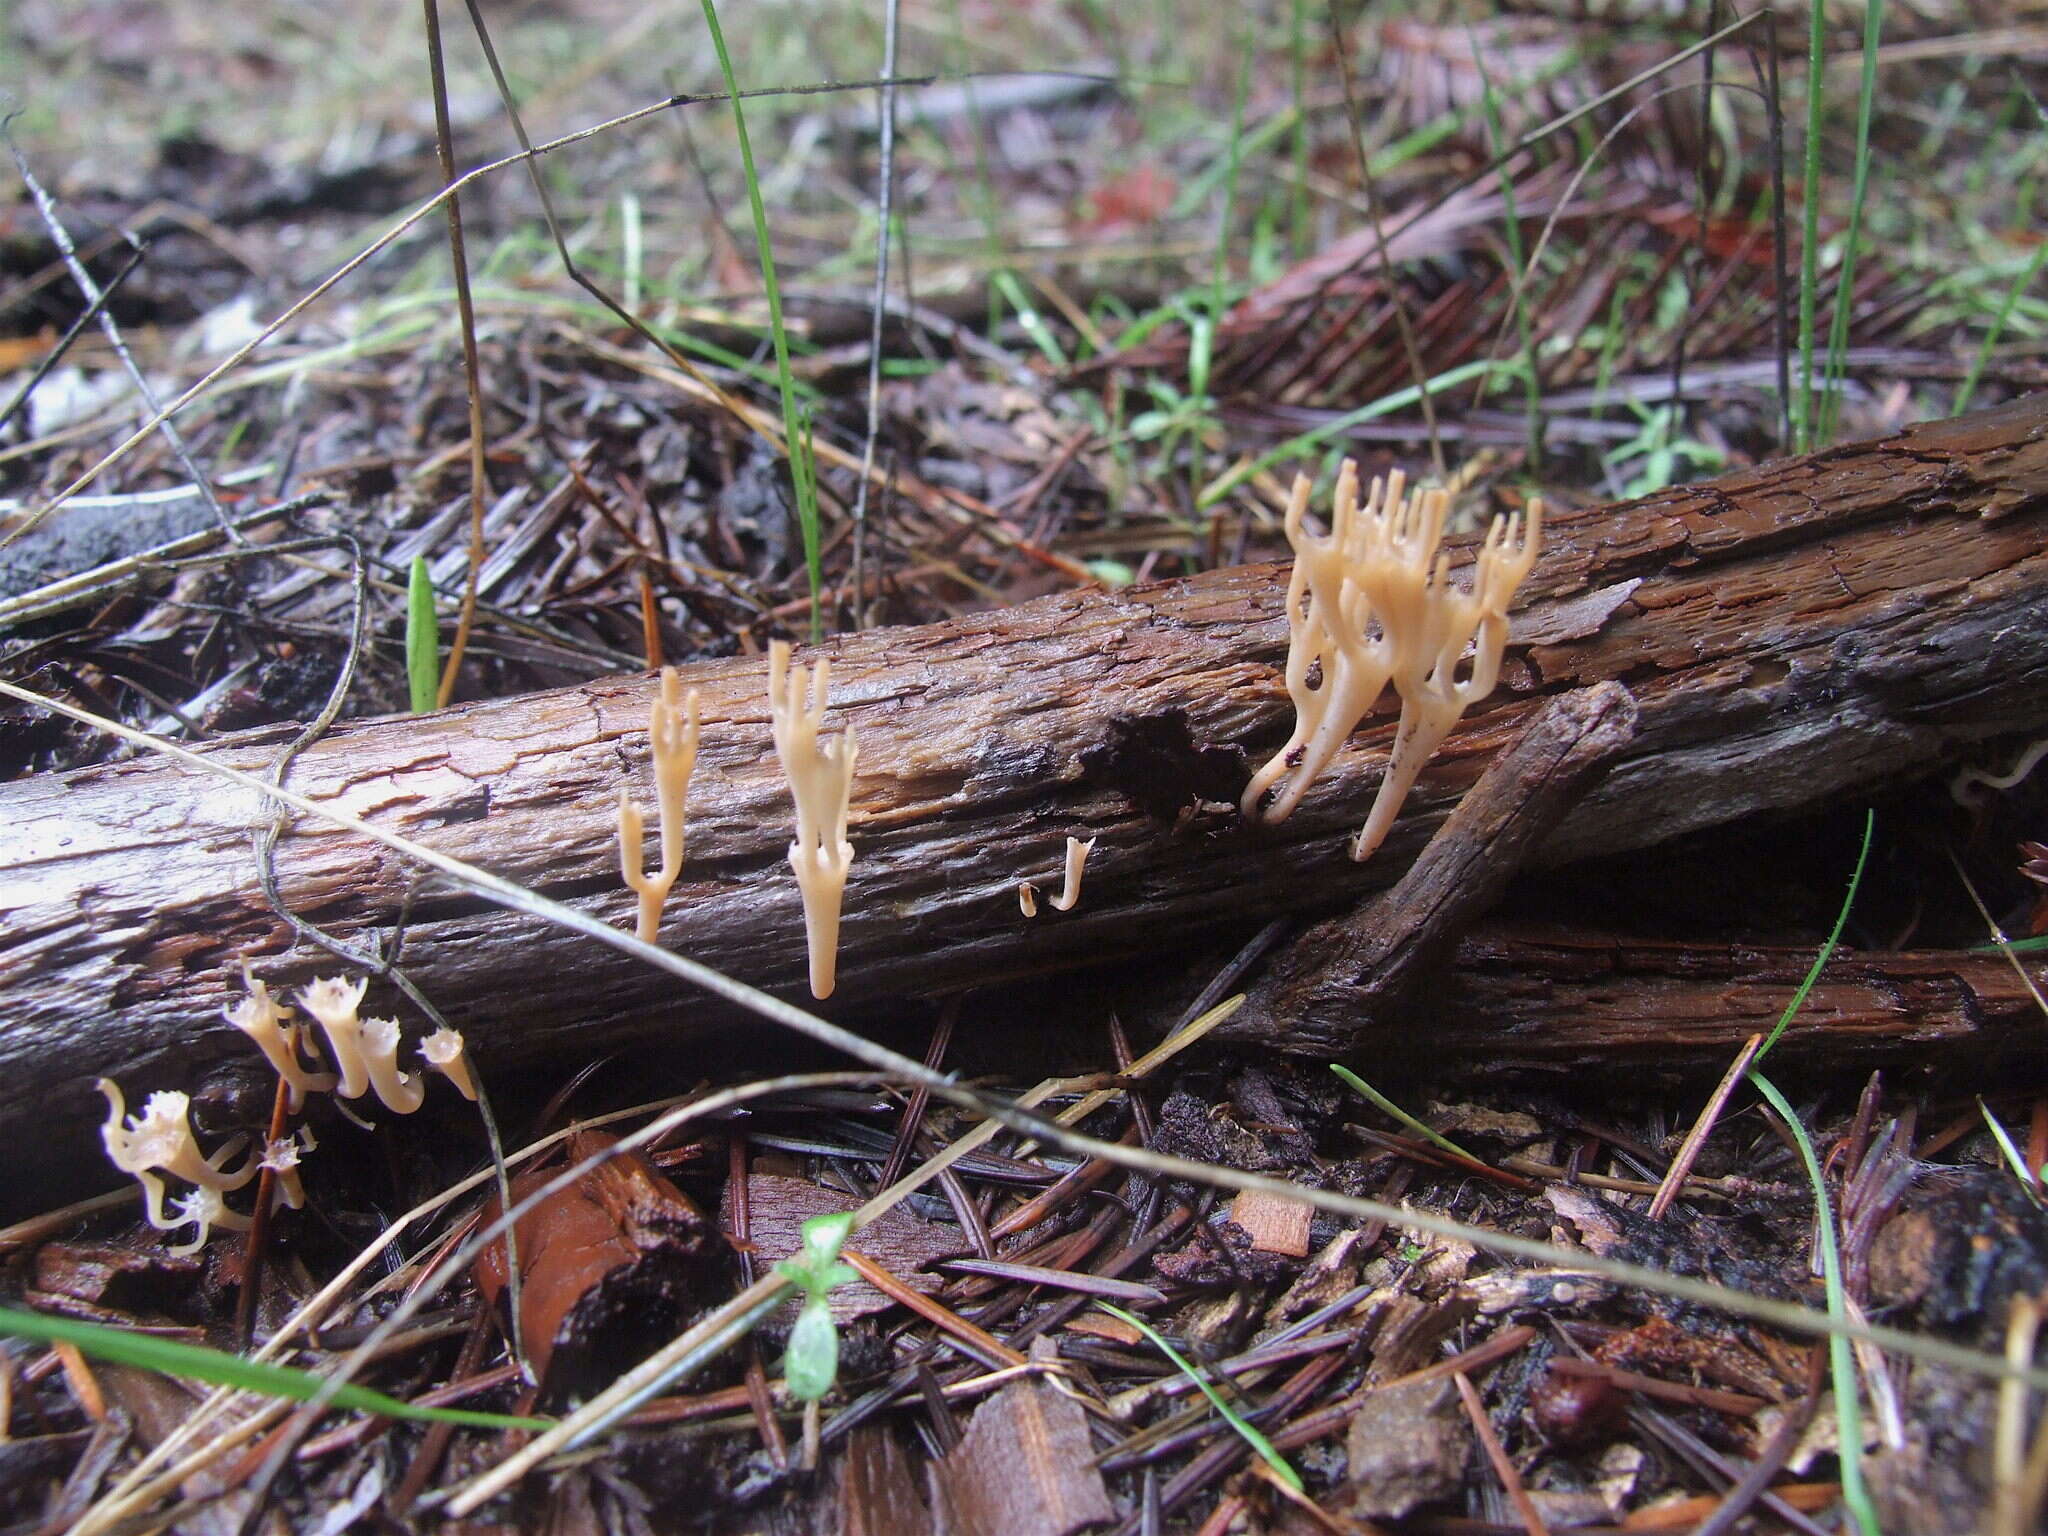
(1433,694)
(366,1050)
(1372,602)
(443,1051)
(821,783)
(261,1018)
(672,738)
(160,1140)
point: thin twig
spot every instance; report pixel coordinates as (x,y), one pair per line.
(885,201)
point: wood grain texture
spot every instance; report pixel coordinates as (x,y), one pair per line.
(1800,630)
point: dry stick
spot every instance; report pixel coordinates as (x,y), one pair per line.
(259,1219)
(1496,1453)
(1696,1138)
(1365,963)
(472,373)
(885,200)
(998,1114)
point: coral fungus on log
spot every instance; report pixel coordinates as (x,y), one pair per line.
(1791,633)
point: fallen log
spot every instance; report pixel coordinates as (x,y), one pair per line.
(1522,999)
(1800,630)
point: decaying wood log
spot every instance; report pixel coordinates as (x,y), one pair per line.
(1518,999)
(1334,982)
(1799,630)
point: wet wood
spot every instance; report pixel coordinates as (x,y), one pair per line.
(1799,631)
(1025,1467)
(1340,978)
(1518,999)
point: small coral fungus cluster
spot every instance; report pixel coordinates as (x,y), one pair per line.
(820,776)
(1371,603)
(160,1142)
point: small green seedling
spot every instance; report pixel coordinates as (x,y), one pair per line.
(422,639)
(811,1363)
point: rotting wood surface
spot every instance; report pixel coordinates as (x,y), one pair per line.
(1797,631)
(1521,999)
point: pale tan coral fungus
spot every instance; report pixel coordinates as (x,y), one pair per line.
(443,1051)
(160,1140)
(261,1018)
(366,1050)
(672,739)
(1372,602)
(821,783)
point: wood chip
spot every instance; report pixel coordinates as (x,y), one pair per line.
(1407,1448)
(1276,1224)
(1024,1468)
(877,1490)
(778,1205)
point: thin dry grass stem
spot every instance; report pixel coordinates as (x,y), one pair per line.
(2009,1452)
(472,372)
(1372,602)
(672,740)
(820,782)
(1688,1154)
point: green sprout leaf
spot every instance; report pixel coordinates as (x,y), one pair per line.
(811,1362)
(422,639)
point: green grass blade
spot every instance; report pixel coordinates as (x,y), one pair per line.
(1809,228)
(422,639)
(1252,1437)
(1359,1085)
(801,469)
(1845,289)
(2003,318)
(2014,1157)
(1827,950)
(1841,1361)
(196,1362)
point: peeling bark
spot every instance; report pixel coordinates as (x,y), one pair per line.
(1801,630)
